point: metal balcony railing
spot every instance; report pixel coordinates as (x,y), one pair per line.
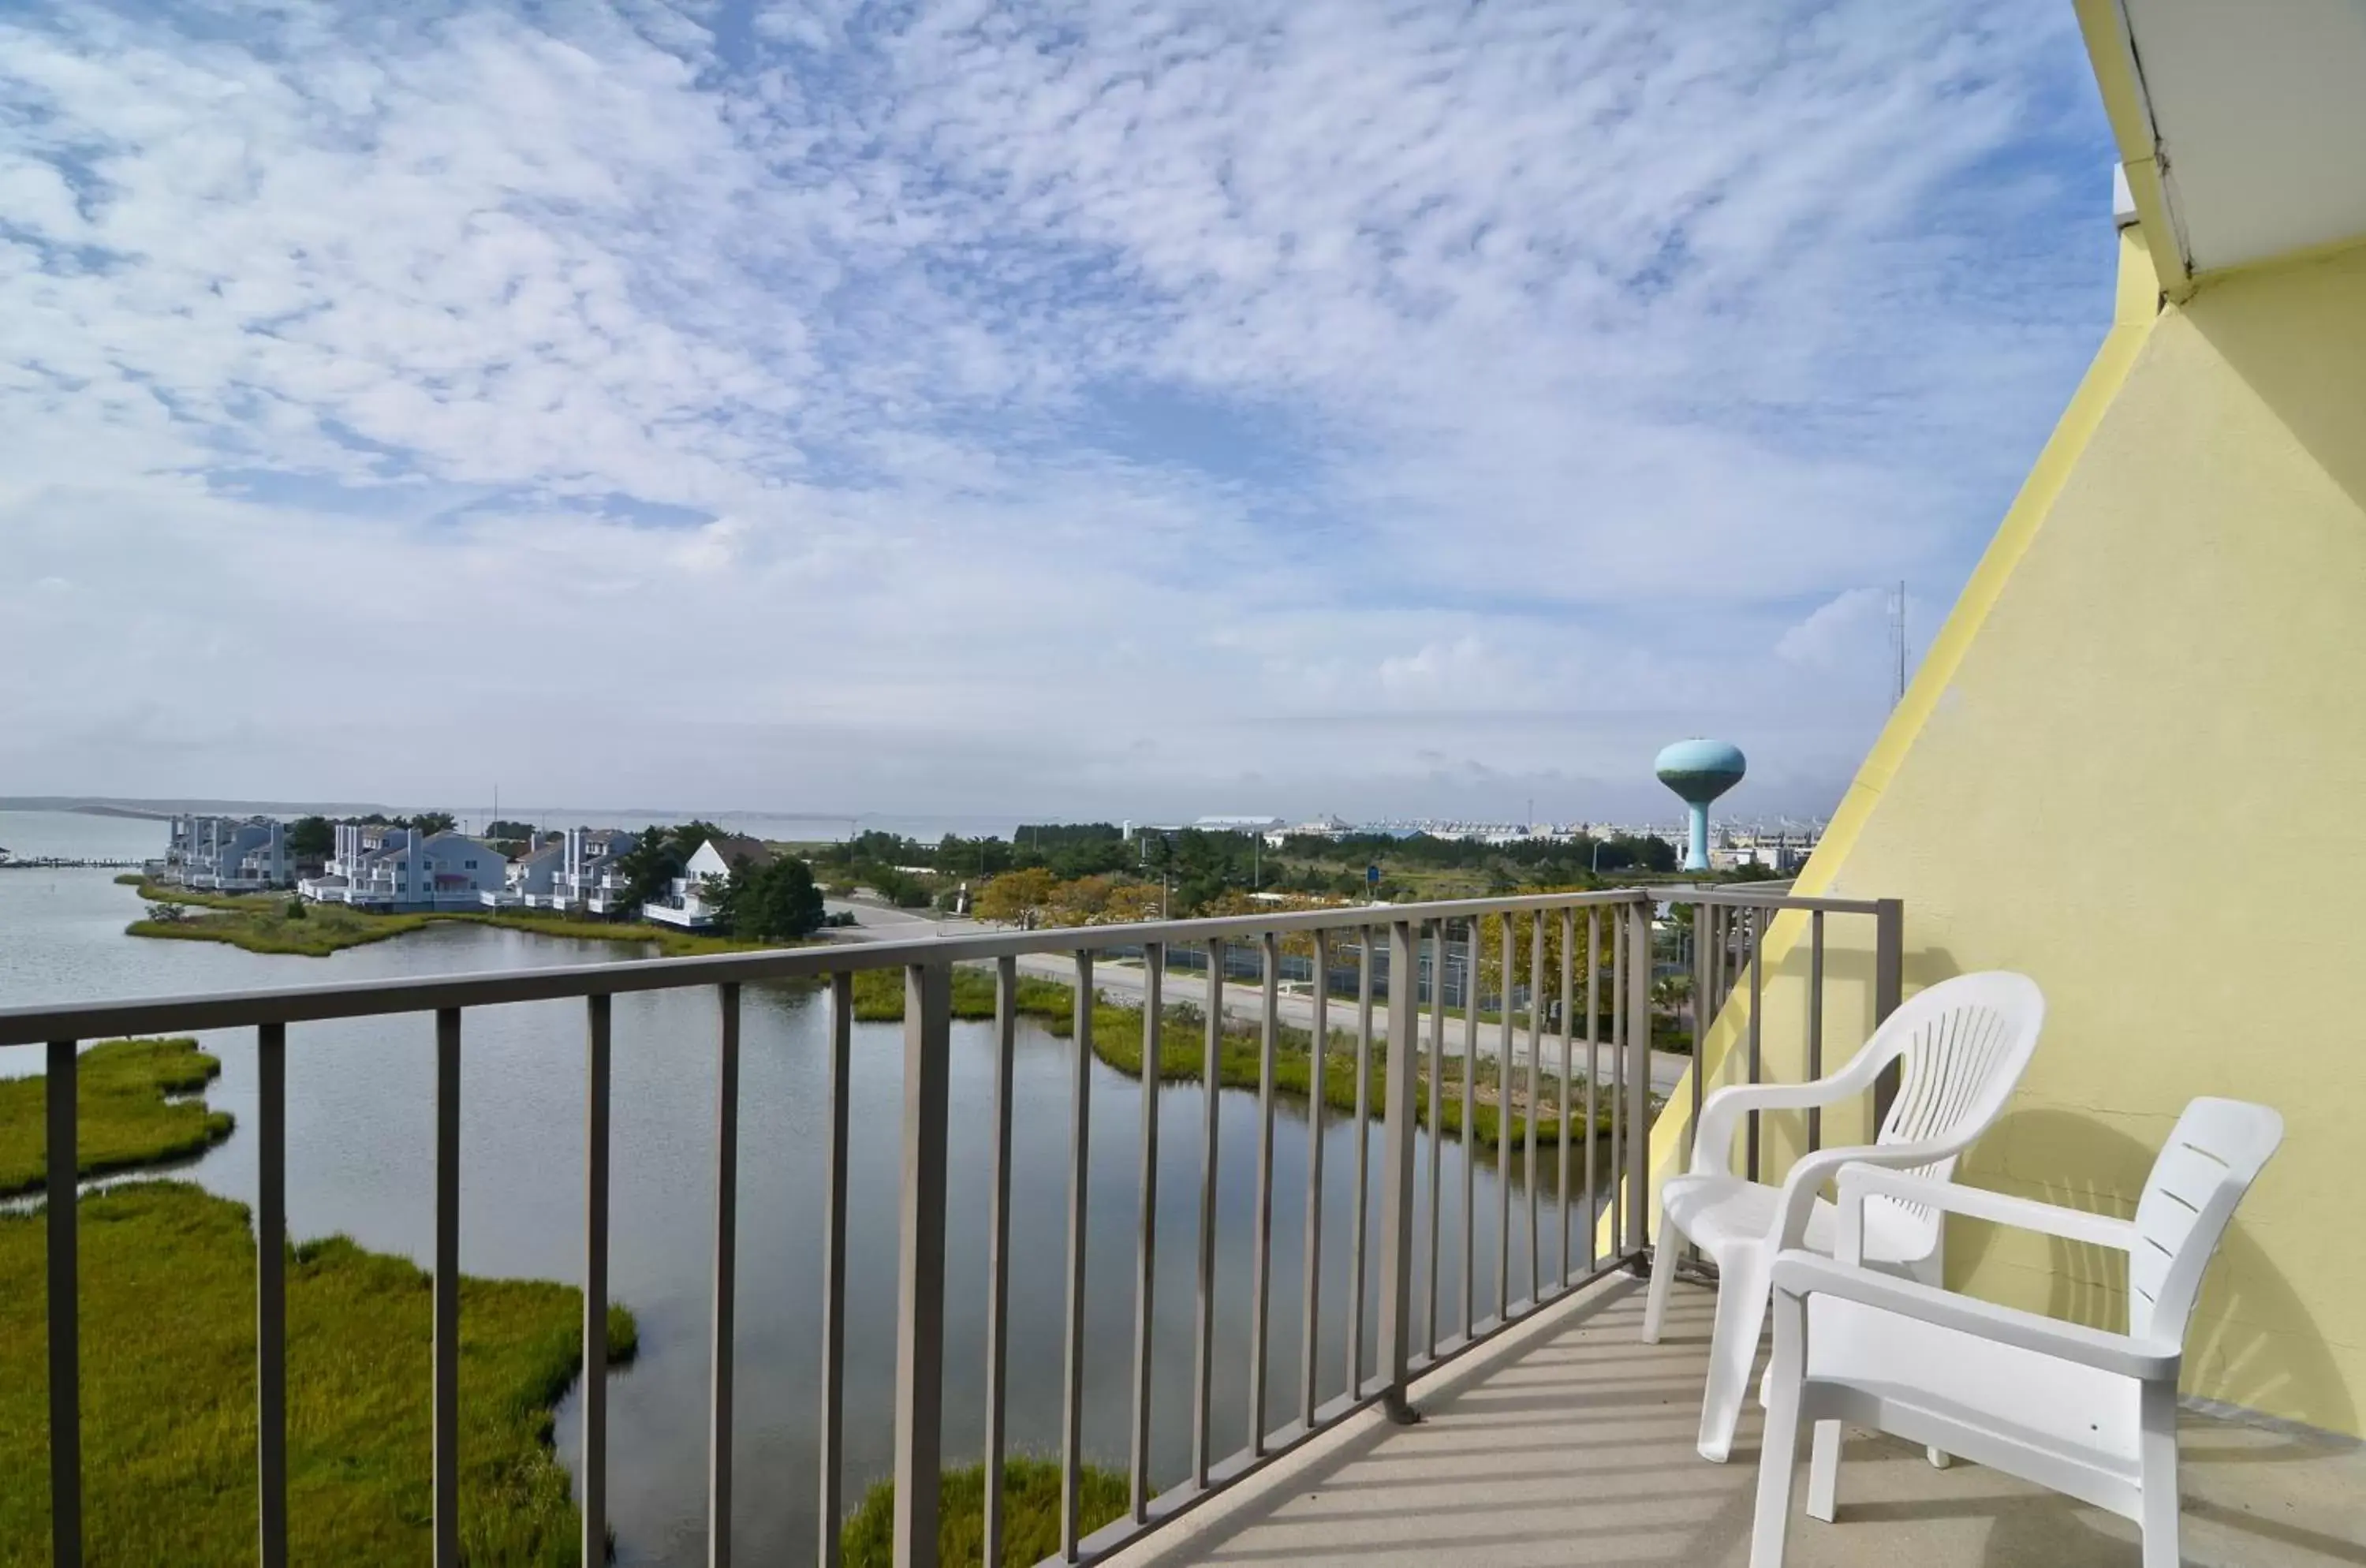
(1376,943)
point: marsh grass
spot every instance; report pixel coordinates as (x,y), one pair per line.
(1182,1044)
(124,1112)
(167,1316)
(1031,1532)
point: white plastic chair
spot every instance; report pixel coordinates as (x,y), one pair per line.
(2081,1411)
(1965,1043)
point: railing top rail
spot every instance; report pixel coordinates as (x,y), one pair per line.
(298,1004)
(1760,895)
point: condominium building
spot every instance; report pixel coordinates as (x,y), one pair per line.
(227,853)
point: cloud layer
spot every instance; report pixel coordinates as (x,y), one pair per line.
(1096,408)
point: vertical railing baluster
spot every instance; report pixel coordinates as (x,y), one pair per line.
(1618,1025)
(1310,1348)
(1470,949)
(1705,1000)
(1396,1179)
(1815,1022)
(1362,1220)
(1437,1113)
(920,1272)
(1638,1081)
(447,1288)
(1529,1108)
(829,1521)
(722,1311)
(271,1294)
(1204,1348)
(1757,927)
(1889,988)
(1153,975)
(1568,1028)
(1261,1253)
(61,1222)
(593,1504)
(997,1252)
(1072,1383)
(1507,1060)
(1593,1078)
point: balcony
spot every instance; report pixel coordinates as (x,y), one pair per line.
(1492,1293)
(1569,1441)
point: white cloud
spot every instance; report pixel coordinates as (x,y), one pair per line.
(1071,408)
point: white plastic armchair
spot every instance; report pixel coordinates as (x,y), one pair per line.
(1964,1045)
(2080,1410)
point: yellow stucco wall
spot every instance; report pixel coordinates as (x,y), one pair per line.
(2127,769)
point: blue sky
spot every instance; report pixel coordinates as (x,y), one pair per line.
(1099,408)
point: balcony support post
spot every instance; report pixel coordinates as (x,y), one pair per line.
(1397,1179)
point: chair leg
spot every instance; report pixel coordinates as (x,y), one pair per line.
(1824,1471)
(1933,1272)
(1663,1278)
(2157,1475)
(1740,1312)
(1778,1453)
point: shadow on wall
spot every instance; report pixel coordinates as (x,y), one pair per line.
(2297,338)
(2078,1162)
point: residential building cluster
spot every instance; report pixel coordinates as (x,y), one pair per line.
(225,854)
(394,870)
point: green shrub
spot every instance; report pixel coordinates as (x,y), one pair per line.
(1031,1526)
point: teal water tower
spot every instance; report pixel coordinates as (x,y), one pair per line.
(1700,771)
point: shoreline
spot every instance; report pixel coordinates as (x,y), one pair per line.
(258,923)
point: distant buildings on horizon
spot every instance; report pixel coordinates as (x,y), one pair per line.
(1783,846)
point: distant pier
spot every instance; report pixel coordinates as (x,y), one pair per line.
(67,862)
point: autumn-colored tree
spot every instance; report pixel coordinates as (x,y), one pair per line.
(1018,898)
(1299,944)
(1491,954)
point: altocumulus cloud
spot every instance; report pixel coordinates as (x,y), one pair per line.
(1099,407)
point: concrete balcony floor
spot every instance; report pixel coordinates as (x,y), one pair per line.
(1567,1441)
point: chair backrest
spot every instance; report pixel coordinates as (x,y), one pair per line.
(2216,1148)
(1963,1044)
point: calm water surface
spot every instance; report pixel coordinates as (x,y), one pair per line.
(360,1134)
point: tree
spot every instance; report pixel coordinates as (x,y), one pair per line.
(430,823)
(1018,897)
(777,902)
(309,836)
(647,868)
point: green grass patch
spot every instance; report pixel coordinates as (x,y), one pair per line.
(879,996)
(1182,1044)
(167,1321)
(259,922)
(123,1115)
(1030,1514)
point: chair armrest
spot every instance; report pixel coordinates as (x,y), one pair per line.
(1722,1111)
(1810,1171)
(1860,1181)
(1800,1273)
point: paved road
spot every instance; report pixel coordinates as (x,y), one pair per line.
(1241,1000)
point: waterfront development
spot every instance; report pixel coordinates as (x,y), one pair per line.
(359,1163)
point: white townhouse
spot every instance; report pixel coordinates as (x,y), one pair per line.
(689,901)
(227,854)
(399,869)
(590,875)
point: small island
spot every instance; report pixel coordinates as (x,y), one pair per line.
(313,887)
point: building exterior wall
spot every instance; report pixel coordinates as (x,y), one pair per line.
(2154,669)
